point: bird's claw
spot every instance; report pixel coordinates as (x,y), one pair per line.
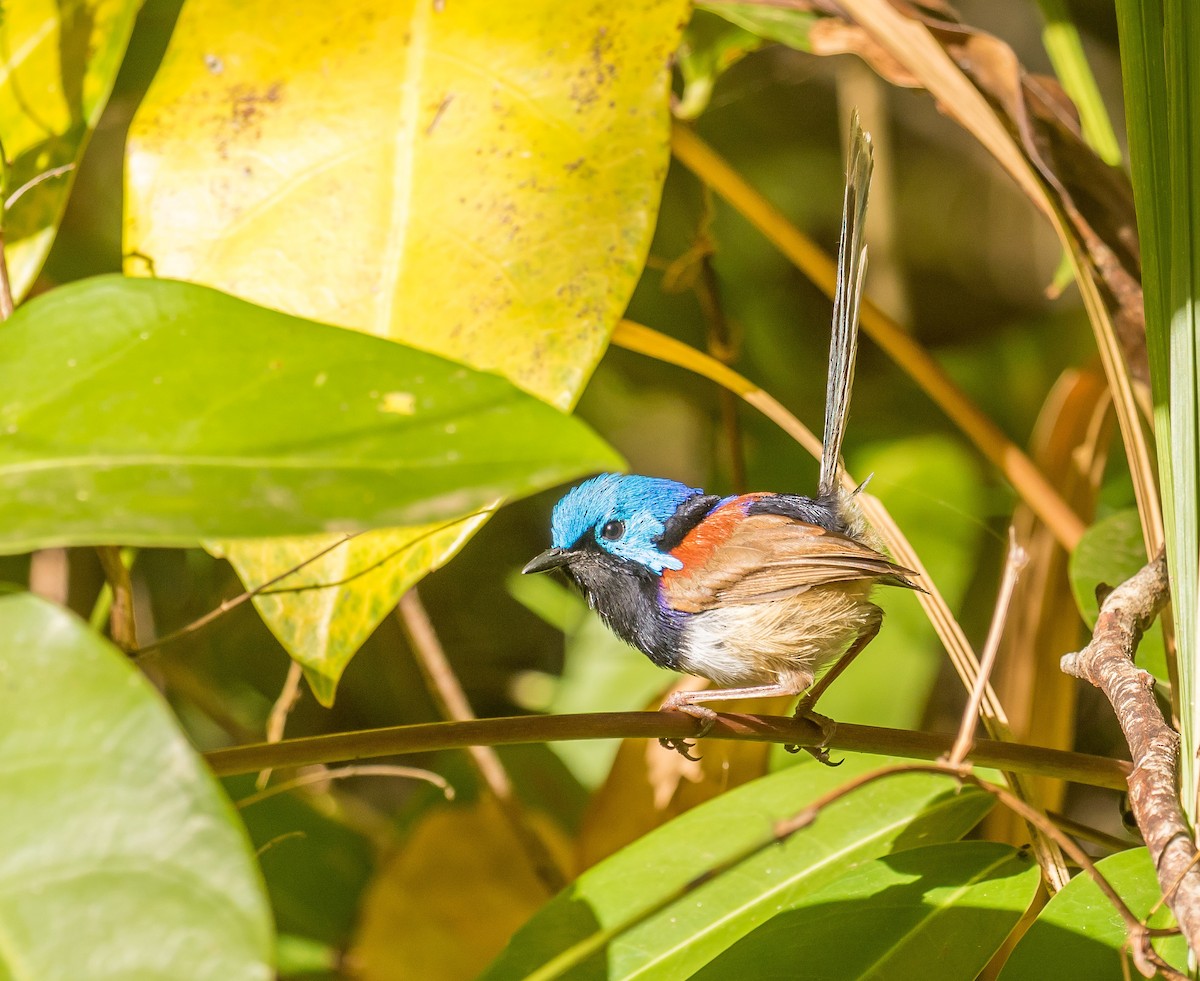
(681,746)
(819,752)
(704,715)
(821,755)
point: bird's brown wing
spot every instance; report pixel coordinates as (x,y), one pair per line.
(767,557)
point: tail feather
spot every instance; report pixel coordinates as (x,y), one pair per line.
(852,267)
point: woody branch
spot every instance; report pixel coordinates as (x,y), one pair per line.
(1107,662)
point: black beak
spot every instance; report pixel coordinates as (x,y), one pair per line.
(552,558)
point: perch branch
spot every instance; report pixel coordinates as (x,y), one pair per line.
(1096,771)
(1107,662)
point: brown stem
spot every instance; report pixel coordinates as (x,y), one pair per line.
(122,624)
(6,296)
(1095,771)
(452,703)
(289,695)
(1107,662)
(722,345)
(341,773)
(1017,558)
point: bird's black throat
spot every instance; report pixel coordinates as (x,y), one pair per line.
(625,595)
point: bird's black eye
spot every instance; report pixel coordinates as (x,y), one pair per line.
(613,530)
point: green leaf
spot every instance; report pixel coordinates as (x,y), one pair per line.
(787,25)
(315,867)
(883,919)
(478,180)
(1080,934)
(1110,552)
(1063,44)
(162,413)
(323,628)
(58,62)
(710,47)
(633,916)
(123,858)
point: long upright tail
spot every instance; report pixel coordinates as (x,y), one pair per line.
(852,267)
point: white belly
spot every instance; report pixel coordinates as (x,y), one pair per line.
(786,641)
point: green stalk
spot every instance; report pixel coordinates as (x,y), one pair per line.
(1160,61)
(1061,40)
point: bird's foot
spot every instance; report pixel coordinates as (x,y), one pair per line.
(707,719)
(827,726)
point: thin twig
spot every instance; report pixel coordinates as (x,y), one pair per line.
(448,694)
(1017,558)
(1107,662)
(1077,829)
(6,294)
(324,775)
(289,695)
(234,602)
(33,182)
(50,574)
(265,589)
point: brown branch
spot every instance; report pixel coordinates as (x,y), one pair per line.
(1015,562)
(122,623)
(1097,771)
(1107,662)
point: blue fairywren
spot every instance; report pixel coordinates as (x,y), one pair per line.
(758,592)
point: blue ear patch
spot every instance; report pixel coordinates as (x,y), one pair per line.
(641,505)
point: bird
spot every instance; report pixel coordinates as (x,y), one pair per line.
(758,592)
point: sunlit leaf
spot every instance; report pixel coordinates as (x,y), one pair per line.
(478,180)
(1160,63)
(884,918)
(1080,934)
(58,62)
(787,25)
(114,826)
(323,627)
(633,916)
(161,413)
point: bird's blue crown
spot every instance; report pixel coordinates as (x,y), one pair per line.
(624,514)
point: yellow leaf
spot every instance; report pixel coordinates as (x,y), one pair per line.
(322,628)
(479,180)
(58,63)
(443,908)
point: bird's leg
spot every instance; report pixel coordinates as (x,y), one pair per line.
(685,701)
(865,636)
(804,710)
